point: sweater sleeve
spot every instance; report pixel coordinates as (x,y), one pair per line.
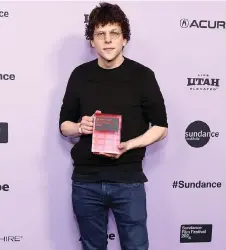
(152,101)
(70,108)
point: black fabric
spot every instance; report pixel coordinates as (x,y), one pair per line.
(130,90)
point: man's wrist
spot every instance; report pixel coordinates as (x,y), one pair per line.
(130,144)
(135,143)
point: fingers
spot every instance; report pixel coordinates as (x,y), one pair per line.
(108,155)
(87,123)
(87,119)
(86,130)
(111,156)
(90,118)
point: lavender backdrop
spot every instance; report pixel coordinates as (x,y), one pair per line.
(41,43)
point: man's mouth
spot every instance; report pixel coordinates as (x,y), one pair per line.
(108,49)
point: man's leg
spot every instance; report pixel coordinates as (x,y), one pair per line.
(91,213)
(129,209)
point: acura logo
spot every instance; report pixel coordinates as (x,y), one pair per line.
(202,24)
(184,23)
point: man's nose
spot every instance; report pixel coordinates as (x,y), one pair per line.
(107,38)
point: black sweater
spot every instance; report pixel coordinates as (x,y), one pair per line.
(130,90)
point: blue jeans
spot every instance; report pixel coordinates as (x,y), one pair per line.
(91,203)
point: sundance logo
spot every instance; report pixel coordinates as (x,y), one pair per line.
(203,82)
(6,77)
(202,24)
(198,184)
(198,134)
(4,14)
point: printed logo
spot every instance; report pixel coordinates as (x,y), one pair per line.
(110,236)
(203,83)
(3,132)
(4,187)
(202,24)
(196,233)
(198,134)
(86,16)
(4,14)
(198,184)
(6,77)
(184,23)
(13,239)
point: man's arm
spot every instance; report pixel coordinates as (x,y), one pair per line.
(154,134)
(71,129)
(154,110)
(85,126)
(70,109)
(71,122)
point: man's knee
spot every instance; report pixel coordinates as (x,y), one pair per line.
(94,243)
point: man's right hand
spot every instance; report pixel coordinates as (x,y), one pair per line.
(86,124)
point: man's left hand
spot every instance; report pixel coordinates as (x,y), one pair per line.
(123,147)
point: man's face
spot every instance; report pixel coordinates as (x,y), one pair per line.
(108,41)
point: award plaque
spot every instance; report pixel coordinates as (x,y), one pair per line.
(106,133)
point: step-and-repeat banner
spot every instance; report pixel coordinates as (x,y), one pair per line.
(184,43)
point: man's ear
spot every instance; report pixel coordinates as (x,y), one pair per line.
(124,42)
(92,43)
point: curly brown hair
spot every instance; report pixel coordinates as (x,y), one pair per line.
(105,14)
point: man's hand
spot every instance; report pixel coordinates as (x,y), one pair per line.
(152,135)
(86,124)
(123,147)
(72,129)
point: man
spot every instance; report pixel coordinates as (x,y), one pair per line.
(112,84)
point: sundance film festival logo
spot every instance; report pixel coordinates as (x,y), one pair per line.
(198,134)
(12,239)
(196,233)
(202,24)
(203,83)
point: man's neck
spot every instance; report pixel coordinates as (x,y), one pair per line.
(110,64)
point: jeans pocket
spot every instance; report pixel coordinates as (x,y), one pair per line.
(75,183)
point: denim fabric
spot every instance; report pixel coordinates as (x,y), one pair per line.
(91,204)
